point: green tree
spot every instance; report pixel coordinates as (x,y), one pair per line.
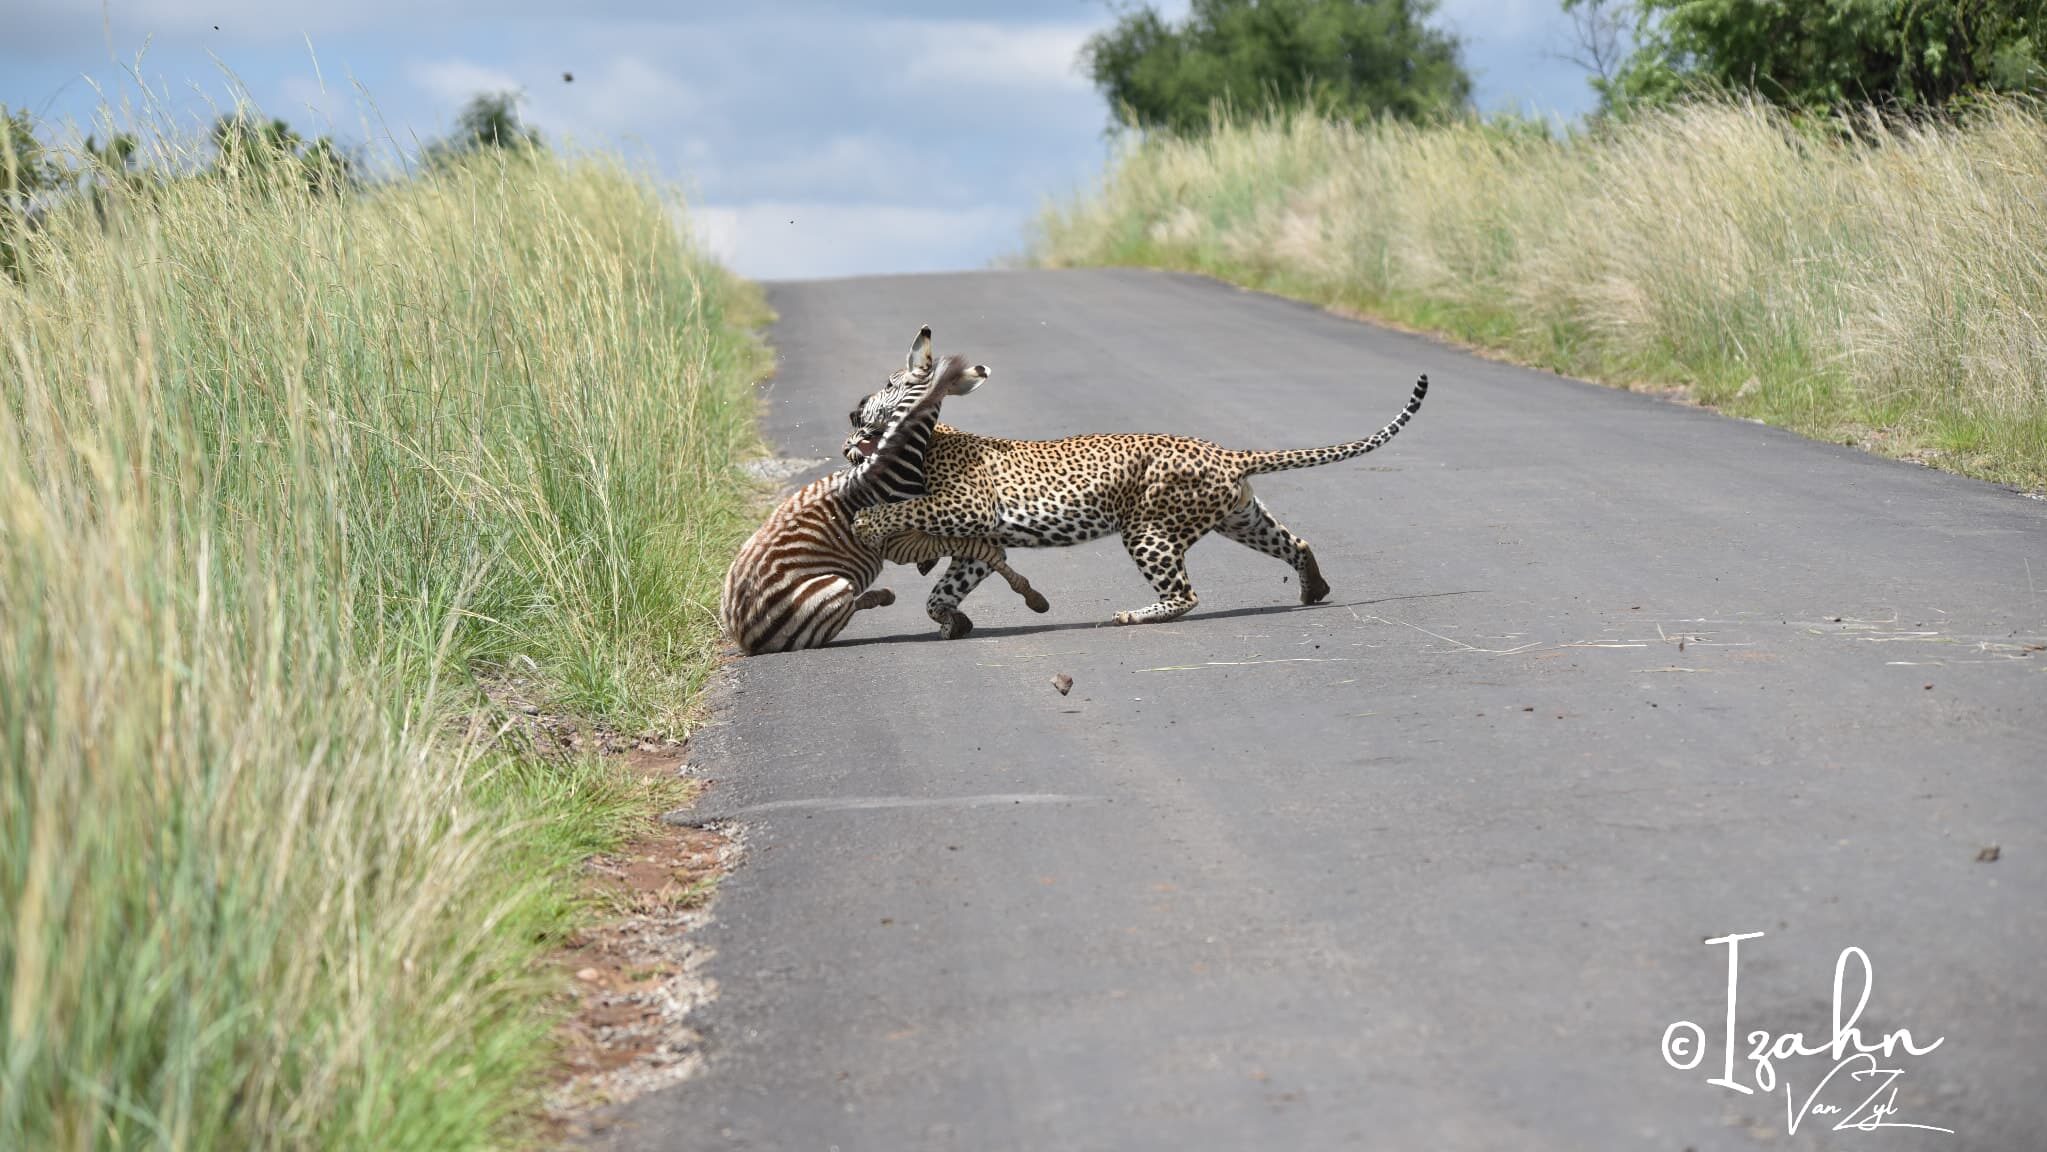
(1357,59)
(26,169)
(250,144)
(1818,54)
(489,120)
(328,167)
(106,168)
(245,139)
(116,156)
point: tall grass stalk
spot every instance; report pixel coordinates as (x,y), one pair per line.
(279,474)
(1870,281)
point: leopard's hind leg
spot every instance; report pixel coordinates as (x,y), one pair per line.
(1253,526)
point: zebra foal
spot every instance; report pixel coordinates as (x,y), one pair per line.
(798,580)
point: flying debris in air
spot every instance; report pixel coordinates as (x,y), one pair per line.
(568,77)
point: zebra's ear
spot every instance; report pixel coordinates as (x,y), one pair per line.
(919,362)
(969,380)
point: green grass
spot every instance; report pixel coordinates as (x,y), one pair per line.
(1889,291)
(282,477)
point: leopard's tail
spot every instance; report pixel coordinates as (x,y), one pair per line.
(1257,462)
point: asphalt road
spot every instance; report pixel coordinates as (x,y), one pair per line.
(1427,866)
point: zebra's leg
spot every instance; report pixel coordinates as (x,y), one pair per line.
(966,572)
(962,576)
(1253,526)
(878,598)
(1032,598)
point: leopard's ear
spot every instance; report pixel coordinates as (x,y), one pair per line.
(969,380)
(919,362)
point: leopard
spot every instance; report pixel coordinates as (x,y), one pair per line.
(1160,492)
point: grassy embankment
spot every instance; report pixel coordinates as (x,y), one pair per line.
(280,475)
(1889,290)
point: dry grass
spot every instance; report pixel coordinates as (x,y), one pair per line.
(278,474)
(1885,285)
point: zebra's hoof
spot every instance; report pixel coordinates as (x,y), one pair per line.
(1036,602)
(924,568)
(958,626)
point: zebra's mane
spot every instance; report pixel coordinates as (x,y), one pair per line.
(894,470)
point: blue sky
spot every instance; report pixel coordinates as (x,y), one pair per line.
(812,137)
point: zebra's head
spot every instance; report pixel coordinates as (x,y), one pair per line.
(870,418)
(888,459)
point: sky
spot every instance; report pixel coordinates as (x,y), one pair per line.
(811,138)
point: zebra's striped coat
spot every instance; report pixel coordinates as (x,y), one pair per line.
(799,578)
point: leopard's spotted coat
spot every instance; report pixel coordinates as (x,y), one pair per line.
(1162,493)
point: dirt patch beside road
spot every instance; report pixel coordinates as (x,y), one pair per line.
(635,977)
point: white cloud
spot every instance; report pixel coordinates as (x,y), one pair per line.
(1516,53)
(70,25)
(793,240)
(1500,19)
(453,82)
(861,166)
(1001,55)
(330,105)
(623,96)
(612,101)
